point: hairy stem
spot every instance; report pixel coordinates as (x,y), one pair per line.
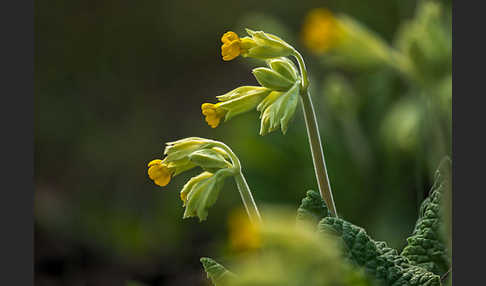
(315,140)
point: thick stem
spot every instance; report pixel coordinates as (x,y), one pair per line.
(247,198)
(315,139)
(317,153)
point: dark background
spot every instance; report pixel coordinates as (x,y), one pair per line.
(115,80)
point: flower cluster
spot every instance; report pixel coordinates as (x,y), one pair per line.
(201,191)
(280,83)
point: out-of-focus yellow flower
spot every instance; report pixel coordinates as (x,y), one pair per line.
(243,235)
(159,172)
(213,113)
(321,30)
(346,42)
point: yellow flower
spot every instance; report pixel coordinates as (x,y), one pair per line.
(243,235)
(320,31)
(159,172)
(213,113)
(231,47)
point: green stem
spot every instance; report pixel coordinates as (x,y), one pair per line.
(244,189)
(247,198)
(315,140)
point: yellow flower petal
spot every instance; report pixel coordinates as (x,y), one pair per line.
(213,114)
(159,172)
(229,36)
(231,46)
(230,51)
(243,235)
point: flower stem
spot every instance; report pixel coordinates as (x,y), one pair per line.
(247,198)
(244,189)
(315,140)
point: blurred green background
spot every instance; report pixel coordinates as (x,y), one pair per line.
(115,80)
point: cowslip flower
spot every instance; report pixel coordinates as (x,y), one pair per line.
(243,235)
(276,98)
(201,192)
(321,30)
(159,172)
(343,40)
(235,102)
(213,113)
(259,45)
(181,156)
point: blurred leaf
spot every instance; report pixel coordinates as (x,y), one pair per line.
(215,271)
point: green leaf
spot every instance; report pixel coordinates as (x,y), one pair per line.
(312,209)
(426,247)
(215,271)
(378,260)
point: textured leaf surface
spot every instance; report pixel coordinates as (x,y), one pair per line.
(426,247)
(215,271)
(312,209)
(379,260)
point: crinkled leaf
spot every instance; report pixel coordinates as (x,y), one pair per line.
(378,260)
(312,209)
(215,271)
(426,246)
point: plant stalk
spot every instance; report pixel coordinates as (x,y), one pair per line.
(315,140)
(317,153)
(247,198)
(244,189)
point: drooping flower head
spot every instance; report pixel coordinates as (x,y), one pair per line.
(201,191)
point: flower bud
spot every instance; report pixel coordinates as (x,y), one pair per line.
(260,45)
(279,110)
(201,193)
(267,46)
(210,159)
(235,102)
(271,79)
(284,67)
